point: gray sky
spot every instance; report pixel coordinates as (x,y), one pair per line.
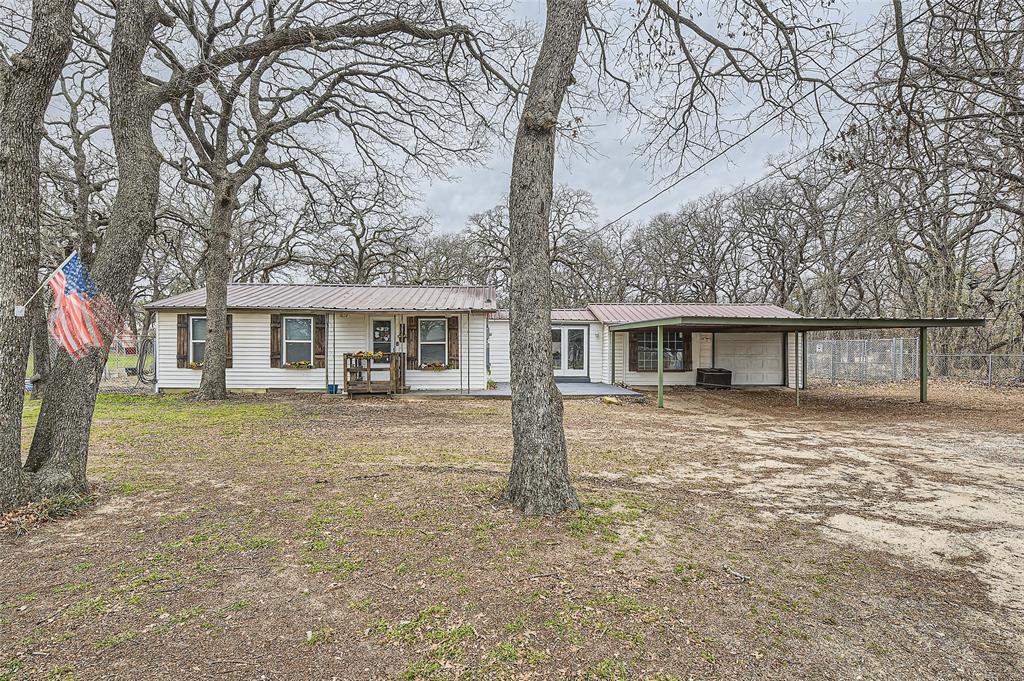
(611,173)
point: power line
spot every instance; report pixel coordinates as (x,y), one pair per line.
(757,129)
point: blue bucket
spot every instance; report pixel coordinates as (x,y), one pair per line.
(332,389)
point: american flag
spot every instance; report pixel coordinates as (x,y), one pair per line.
(80,313)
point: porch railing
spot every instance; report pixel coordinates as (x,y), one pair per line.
(365,375)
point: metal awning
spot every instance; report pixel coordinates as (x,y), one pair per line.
(799,325)
(758,324)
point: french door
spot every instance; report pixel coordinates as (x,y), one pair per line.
(569,350)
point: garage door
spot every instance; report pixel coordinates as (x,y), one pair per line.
(753,358)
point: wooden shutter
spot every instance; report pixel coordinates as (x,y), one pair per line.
(412,343)
(687,351)
(633,350)
(453,342)
(182,341)
(319,341)
(275,341)
(228,341)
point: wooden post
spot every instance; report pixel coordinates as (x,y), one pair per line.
(344,372)
(922,350)
(661,366)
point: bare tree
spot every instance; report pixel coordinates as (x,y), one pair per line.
(366,232)
(538,483)
(438,260)
(378,95)
(60,445)
(572,240)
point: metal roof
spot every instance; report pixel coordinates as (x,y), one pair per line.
(721,323)
(342,297)
(558,315)
(624,313)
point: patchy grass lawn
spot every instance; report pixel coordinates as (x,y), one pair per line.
(730,535)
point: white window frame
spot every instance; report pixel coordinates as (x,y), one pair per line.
(192,337)
(285,341)
(419,337)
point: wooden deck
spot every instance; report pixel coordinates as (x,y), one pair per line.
(365,375)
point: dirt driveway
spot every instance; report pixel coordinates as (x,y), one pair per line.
(730,535)
(941,490)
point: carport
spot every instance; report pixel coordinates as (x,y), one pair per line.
(792,325)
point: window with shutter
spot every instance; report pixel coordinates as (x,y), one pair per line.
(275,341)
(182,345)
(319,341)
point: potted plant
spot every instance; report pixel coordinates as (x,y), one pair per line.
(302,364)
(195,365)
(434,366)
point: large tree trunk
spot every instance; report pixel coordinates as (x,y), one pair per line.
(61,443)
(26,83)
(217,273)
(539,480)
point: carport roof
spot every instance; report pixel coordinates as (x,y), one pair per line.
(793,322)
(625,313)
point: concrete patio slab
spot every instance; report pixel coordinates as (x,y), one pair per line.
(504,391)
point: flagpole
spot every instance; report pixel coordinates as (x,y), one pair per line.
(19,310)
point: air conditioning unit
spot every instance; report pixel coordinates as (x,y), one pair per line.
(714,378)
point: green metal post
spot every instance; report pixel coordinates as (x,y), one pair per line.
(922,351)
(661,366)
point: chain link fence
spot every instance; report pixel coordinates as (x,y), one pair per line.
(879,360)
(130,367)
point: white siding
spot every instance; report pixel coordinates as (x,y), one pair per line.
(499,344)
(250,357)
(794,355)
(606,354)
(595,334)
(597,367)
(345,333)
(705,357)
(647,378)
(472,371)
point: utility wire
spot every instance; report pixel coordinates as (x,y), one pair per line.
(760,127)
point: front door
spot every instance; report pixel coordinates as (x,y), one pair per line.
(381,335)
(569,350)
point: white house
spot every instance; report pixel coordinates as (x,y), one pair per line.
(590,344)
(454,338)
(296,336)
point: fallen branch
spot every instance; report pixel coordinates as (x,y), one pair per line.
(740,576)
(368,477)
